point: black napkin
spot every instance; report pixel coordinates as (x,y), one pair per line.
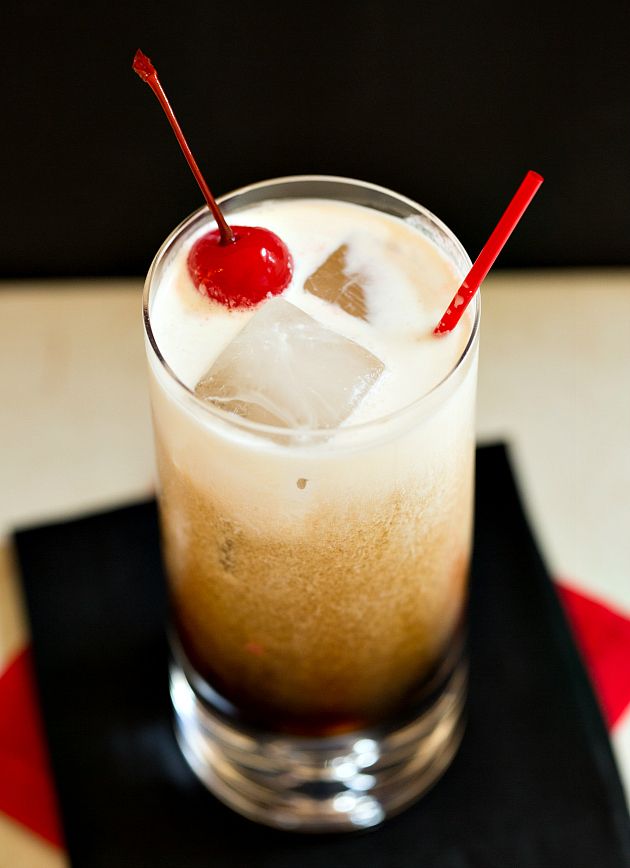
(534,783)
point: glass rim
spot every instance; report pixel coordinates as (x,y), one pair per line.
(232,420)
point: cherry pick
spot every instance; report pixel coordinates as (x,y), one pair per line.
(238,266)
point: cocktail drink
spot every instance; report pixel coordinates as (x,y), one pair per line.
(315,454)
(313,383)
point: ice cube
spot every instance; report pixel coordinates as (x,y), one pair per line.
(287,370)
(332,282)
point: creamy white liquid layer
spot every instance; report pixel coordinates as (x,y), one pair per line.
(408,283)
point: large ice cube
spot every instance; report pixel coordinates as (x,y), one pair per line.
(333,283)
(287,370)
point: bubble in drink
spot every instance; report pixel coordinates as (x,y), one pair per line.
(285,369)
(333,283)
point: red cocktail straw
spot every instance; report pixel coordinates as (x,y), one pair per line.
(489,252)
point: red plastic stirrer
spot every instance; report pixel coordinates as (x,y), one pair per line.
(489,252)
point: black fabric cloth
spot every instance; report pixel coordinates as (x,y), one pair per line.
(533,786)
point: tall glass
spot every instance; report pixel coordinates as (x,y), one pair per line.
(317,583)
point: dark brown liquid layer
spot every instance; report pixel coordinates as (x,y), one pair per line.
(239,707)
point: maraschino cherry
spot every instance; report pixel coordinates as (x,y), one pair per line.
(238,266)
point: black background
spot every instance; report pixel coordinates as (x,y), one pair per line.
(449,103)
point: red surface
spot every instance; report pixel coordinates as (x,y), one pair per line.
(603,637)
(26,791)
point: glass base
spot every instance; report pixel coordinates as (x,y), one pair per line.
(335,783)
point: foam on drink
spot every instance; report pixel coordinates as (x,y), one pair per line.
(403,280)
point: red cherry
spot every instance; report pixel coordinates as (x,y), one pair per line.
(242,273)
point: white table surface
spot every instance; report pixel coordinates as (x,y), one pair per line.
(554,381)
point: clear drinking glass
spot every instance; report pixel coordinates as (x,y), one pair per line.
(318,584)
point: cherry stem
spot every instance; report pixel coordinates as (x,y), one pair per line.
(147,72)
(489,252)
